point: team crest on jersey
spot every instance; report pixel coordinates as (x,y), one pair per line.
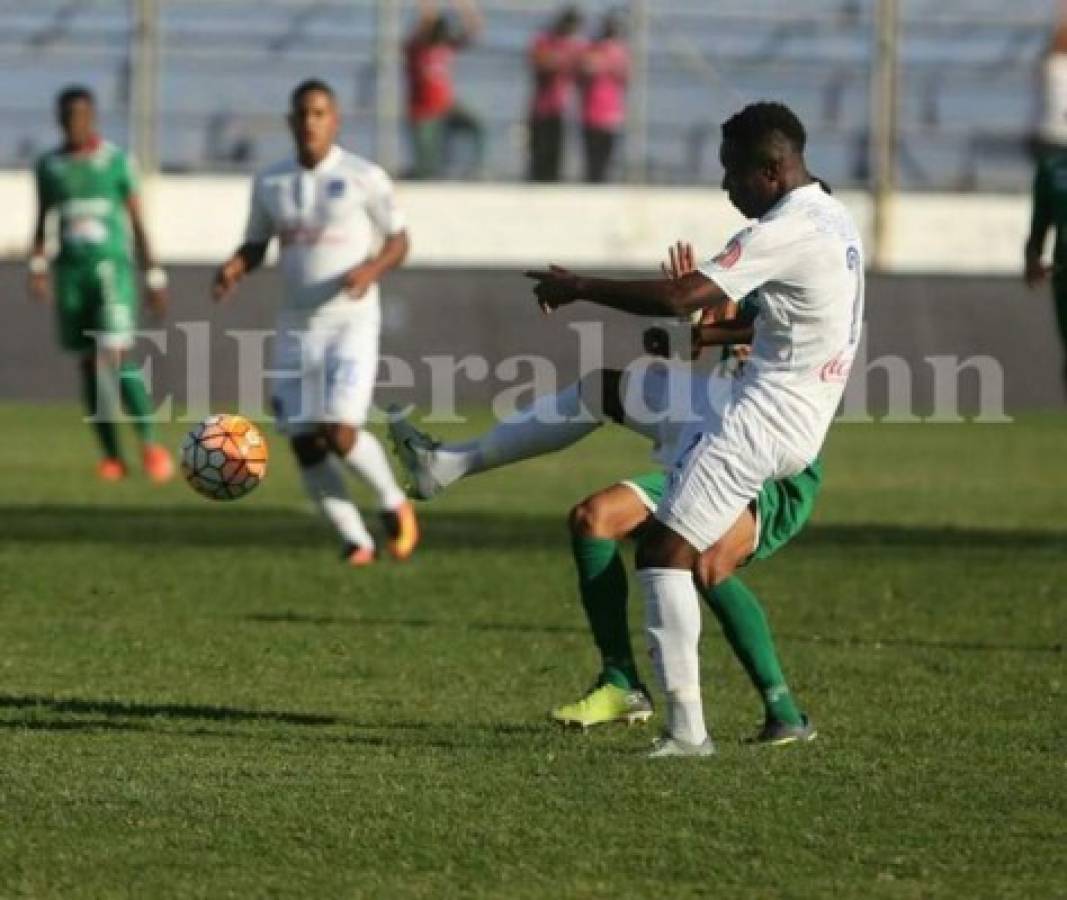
(335,189)
(728,258)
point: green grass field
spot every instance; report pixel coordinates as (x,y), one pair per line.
(197,700)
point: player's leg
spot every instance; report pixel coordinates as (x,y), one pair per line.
(708,491)
(351,361)
(598,524)
(362,452)
(552,422)
(324,484)
(77,302)
(299,406)
(117,323)
(1059,300)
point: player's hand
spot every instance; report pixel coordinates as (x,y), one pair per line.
(360,280)
(226,278)
(39,286)
(555,287)
(158,301)
(680,261)
(1035,271)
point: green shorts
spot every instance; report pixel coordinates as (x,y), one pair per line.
(96,304)
(782,507)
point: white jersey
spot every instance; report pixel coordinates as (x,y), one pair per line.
(804,261)
(328,220)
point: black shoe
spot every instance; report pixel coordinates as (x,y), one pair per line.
(776,733)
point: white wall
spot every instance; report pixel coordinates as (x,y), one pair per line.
(198,219)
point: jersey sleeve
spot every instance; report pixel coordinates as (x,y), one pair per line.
(750,259)
(260,227)
(387,217)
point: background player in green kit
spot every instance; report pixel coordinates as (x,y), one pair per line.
(90,186)
(1050,211)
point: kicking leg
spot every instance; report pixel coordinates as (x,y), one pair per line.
(552,422)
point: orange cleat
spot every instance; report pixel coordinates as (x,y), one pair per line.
(158,465)
(403,530)
(111,468)
(358,557)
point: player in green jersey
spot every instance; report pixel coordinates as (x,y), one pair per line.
(1050,211)
(89,185)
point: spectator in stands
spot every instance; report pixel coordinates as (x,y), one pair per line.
(604,73)
(1052,129)
(555,56)
(435,117)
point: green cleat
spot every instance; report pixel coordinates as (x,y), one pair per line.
(606,703)
(667,746)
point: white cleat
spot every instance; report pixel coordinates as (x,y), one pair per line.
(667,746)
(416,450)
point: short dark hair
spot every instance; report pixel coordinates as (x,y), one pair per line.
(310,86)
(758,123)
(73,93)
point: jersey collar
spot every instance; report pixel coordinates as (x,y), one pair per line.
(328,162)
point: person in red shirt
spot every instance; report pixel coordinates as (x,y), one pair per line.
(554,59)
(603,74)
(434,115)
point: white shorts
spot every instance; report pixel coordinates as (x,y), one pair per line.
(332,356)
(671,404)
(722,472)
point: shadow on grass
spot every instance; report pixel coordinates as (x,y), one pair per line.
(922,644)
(96,716)
(292,618)
(273,527)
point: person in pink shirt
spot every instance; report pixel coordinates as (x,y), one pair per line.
(603,75)
(555,56)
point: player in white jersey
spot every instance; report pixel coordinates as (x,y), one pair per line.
(340,231)
(803,258)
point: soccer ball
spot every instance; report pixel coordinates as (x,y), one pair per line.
(224,457)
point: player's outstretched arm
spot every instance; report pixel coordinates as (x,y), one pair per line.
(393,252)
(38,283)
(247,257)
(557,287)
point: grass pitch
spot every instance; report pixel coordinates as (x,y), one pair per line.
(196,700)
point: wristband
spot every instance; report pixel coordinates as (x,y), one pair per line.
(38,264)
(155,278)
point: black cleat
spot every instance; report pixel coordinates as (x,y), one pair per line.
(776,733)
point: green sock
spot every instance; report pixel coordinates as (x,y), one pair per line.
(104,425)
(137,402)
(602,584)
(745,625)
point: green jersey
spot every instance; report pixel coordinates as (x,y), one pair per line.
(1050,202)
(89,191)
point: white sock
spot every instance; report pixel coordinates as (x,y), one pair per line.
(550,423)
(325,486)
(672,615)
(368,460)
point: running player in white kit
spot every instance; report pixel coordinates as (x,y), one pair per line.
(340,232)
(803,258)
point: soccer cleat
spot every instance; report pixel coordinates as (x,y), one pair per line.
(666,746)
(415,450)
(358,557)
(403,530)
(604,704)
(158,465)
(776,733)
(111,468)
